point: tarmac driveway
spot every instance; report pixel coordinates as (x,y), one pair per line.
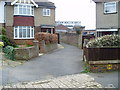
(64,61)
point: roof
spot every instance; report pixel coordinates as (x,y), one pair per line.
(45,4)
(105,0)
(61,27)
(47,26)
(33,0)
(40,3)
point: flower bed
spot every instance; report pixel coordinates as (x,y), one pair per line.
(26,53)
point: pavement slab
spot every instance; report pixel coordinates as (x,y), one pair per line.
(69,81)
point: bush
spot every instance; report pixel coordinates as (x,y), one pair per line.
(2,31)
(105,41)
(9,52)
(47,37)
(6,41)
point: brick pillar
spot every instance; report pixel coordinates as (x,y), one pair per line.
(36,44)
(42,46)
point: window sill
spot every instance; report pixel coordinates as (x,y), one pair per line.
(110,13)
(23,15)
(23,38)
(46,15)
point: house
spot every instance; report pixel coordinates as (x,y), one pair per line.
(23,18)
(69,24)
(107,17)
(61,29)
(89,32)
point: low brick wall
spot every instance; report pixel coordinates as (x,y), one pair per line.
(72,39)
(103,67)
(47,48)
(27,52)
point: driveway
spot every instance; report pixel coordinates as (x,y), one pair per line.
(64,61)
(61,62)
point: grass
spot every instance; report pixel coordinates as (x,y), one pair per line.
(29,45)
(86,70)
(21,46)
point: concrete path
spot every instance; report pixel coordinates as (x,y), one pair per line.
(65,61)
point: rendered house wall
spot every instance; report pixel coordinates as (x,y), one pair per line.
(105,20)
(2,12)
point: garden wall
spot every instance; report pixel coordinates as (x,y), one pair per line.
(47,41)
(27,52)
(102,59)
(106,53)
(44,48)
(72,39)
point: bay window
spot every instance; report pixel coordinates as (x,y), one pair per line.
(23,32)
(21,9)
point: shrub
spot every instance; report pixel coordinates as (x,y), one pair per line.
(47,37)
(3,31)
(105,41)
(9,52)
(6,41)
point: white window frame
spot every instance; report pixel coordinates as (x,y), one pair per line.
(107,5)
(45,12)
(17,7)
(23,27)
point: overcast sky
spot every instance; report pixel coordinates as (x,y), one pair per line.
(76,10)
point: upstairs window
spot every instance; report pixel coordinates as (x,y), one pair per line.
(46,12)
(27,10)
(110,7)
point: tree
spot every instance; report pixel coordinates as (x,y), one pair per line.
(78,29)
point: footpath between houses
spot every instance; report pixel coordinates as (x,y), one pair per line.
(69,81)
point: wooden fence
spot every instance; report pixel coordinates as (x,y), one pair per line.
(99,54)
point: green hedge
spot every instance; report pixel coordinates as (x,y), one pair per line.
(105,41)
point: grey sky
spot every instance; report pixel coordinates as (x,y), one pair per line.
(76,10)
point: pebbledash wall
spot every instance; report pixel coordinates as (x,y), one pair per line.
(37,20)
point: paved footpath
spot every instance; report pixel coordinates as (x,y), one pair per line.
(69,81)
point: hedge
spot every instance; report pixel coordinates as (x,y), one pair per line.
(105,41)
(47,37)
